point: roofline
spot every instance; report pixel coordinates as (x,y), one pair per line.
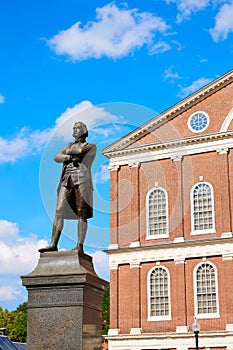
(170,113)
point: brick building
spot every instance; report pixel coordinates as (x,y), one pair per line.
(171,248)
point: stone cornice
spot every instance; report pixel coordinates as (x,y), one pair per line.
(171,251)
(175,149)
(169,114)
(173,143)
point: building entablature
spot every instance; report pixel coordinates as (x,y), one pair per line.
(176,149)
(177,252)
(172,340)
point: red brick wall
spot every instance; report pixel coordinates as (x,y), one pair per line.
(181,294)
(129,188)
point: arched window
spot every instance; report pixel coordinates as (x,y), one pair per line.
(206,290)
(157,213)
(159,294)
(202,207)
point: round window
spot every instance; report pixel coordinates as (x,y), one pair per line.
(198,121)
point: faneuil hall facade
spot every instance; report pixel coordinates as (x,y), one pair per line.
(171,248)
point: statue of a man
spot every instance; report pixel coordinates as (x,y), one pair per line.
(75,190)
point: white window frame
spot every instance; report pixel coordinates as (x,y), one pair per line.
(156,236)
(203,231)
(205,315)
(190,118)
(158,318)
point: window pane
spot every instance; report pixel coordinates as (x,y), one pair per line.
(206,289)
(157,212)
(202,207)
(159,296)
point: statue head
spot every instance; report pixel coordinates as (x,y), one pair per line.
(80,130)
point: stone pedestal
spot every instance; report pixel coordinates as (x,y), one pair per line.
(64,303)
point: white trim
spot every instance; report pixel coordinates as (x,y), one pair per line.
(150,237)
(182,329)
(158,236)
(227,121)
(113,246)
(205,315)
(113,331)
(229,327)
(227,257)
(173,251)
(173,149)
(202,232)
(207,231)
(226,235)
(168,340)
(158,318)
(192,115)
(135,331)
(134,244)
(178,239)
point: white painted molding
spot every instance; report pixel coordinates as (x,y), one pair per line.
(134,265)
(179,261)
(227,121)
(178,239)
(223,150)
(226,235)
(182,329)
(113,167)
(173,149)
(228,256)
(134,164)
(229,327)
(177,158)
(114,266)
(174,251)
(113,331)
(135,331)
(113,246)
(166,340)
(134,244)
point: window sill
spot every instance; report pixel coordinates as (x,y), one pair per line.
(203,316)
(159,318)
(202,232)
(149,237)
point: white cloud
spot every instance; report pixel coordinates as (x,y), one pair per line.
(187,7)
(2,98)
(101,261)
(115,33)
(196,85)
(8,293)
(223,23)
(28,142)
(103,174)
(19,254)
(170,75)
(8,231)
(159,47)
(87,113)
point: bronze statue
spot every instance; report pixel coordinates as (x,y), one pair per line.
(75,189)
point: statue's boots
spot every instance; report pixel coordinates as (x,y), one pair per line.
(54,242)
(79,247)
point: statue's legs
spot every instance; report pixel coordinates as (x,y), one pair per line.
(82,230)
(56,233)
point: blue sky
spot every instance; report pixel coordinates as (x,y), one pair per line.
(113,65)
